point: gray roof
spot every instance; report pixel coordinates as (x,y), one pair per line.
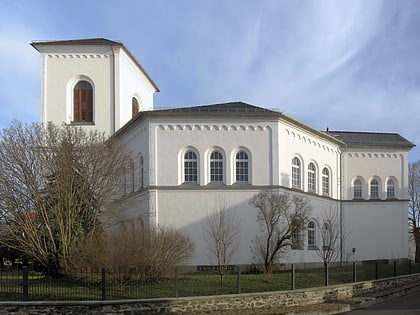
(371,138)
(231,107)
(86,41)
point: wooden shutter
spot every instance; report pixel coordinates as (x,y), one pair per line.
(83,103)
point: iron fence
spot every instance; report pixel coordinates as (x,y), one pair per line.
(29,285)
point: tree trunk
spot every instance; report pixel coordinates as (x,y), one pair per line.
(416,234)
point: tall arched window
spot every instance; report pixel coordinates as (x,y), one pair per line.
(134,106)
(83,102)
(216,167)
(374,189)
(241,169)
(190,167)
(141,171)
(326,236)
(311,235)
(390,189)
(296,180)
(357,189)
(325,181)
(311,177)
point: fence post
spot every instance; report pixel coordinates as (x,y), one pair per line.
(293,277)
(176,281)
(354,272)
(25,291)
(376,270)
(409,266)
(326,274)
(238,279)
(103,280)
(395,268)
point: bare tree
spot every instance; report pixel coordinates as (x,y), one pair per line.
(414,204)
(279,216)
(57,186)
(222,236)
(329,236)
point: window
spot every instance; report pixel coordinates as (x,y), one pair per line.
(134,106)
(297,239)
(216,167)
(390,188)
(132,176)
(190,167)
(325,181)
(326,236)
(374,189)
(311,235)
(357,189)
(297,225)
(311,177)
(242,167)
(296,172)
(141,172)
(83,102)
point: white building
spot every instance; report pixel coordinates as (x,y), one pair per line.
(189,159)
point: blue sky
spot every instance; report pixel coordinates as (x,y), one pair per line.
(347,65)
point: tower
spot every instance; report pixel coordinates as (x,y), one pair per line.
(93,83)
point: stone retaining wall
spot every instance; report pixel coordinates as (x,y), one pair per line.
(211,303)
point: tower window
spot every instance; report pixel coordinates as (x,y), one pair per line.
(134,107)
(83,102)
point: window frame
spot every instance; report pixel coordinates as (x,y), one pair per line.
(78,108)
(326,181)
(135,106)
(296,173)
(390,189)
(242,167)
(141,169)
(326,236)
(357,189)
(216,167)
(312,235)
(194,168)
(374,188)
(312,178)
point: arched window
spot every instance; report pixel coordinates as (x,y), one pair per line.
(83,102)
(390,189)
(311,235)
(190,167)
(216,167)
(296,173)
(134,107)
(241,162)
(326,236)
(374,189)
(357,189)
(325,181)
(311,177)
(141,171)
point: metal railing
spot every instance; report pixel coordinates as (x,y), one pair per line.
(28,285)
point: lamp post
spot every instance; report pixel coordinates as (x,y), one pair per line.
(354,264)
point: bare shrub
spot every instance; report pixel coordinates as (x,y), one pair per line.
(137,253)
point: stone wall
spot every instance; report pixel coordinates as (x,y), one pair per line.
(211,303)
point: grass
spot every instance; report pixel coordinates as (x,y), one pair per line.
(88,287)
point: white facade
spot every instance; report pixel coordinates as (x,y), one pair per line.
(115,76)
(280,153)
